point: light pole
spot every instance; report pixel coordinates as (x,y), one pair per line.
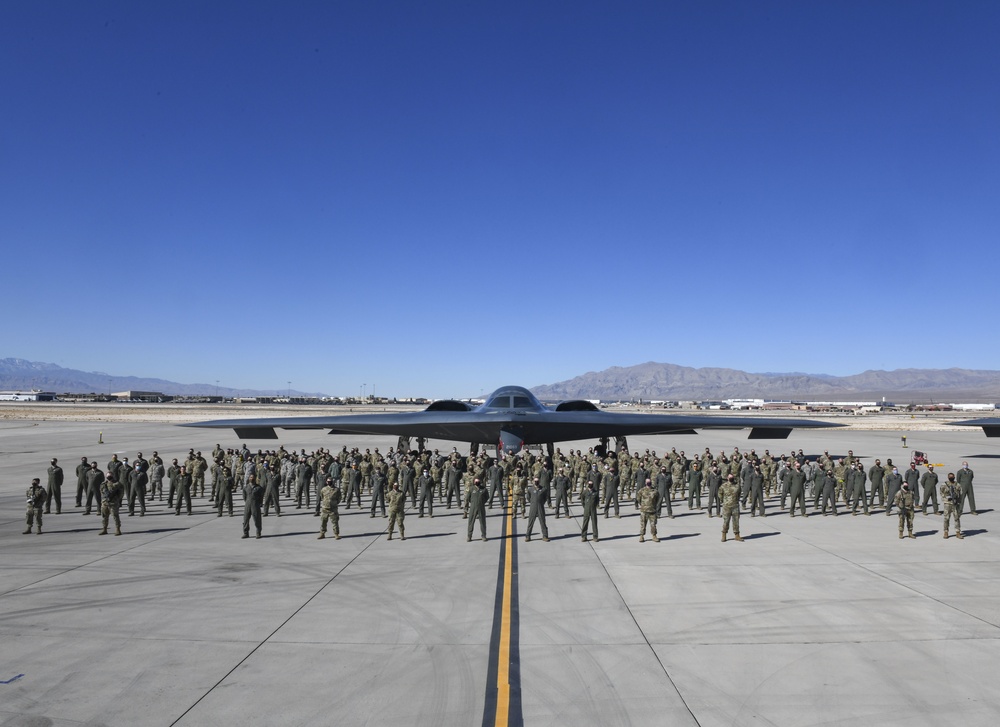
(363,392)
(216,388)
(289,391)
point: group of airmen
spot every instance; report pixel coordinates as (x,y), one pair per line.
(528,482)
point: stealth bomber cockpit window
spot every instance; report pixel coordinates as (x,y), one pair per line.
(522,402)
(499,402)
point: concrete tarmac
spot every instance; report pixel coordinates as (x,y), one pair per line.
(810,621)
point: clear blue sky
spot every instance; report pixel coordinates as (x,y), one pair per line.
(438,198)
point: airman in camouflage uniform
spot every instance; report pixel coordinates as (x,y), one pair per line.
(198,475)
(112,493)
(329,499)
(396,500)
(730,495)
(35,496)
(518,485)
(951,496)
(904,501)
(649,508)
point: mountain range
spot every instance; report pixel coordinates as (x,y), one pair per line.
(658,381)
(17,374)
(662,381)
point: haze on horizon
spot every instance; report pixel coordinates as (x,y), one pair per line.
(446,198)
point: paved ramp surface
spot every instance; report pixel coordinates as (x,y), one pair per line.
(815,621)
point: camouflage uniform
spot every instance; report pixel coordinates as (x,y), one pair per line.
(729,493)
(329,499)
(112,492)
(396,500)
(35,496)
(649,508)
(519,483)
(951,496)
(904,501)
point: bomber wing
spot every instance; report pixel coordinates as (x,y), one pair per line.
(532,427)
(990,425)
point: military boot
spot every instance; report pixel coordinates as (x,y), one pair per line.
(723,537)
(118,531)
(911,535)
(390,536)
(736,536)
(656,539)
(336,536)
(402,535)
(103,532)
(957,535)
(321,536)
(642,539)
(945,534)
(39,529)
(900,534)
(27,532)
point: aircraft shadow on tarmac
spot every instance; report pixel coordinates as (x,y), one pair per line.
(981,456)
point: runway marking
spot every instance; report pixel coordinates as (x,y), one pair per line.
(12,679)
(503,679)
